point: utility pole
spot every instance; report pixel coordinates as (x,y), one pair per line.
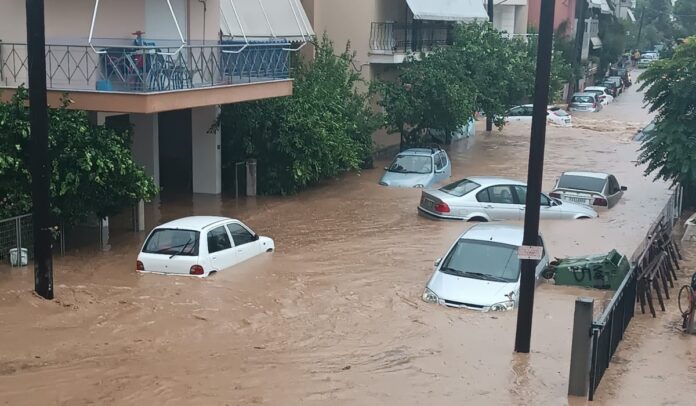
(40,165)
(489,120)
(534,176)
(640,26)
(580,8)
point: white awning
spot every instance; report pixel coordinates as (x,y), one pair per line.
(605,7)
(264,19)
(596,42)
(448,10)
(630,14)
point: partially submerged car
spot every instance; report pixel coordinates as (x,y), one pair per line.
(199,246)
(588,188)
(585,102)
(481,270)
(417,167)
(554,115)
(602,92)
(489,198)
(644,132)
(644,63)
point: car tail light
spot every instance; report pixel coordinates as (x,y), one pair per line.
(442,207)
(598,201)
(139,266)
(594,105)
(196,270)
(555,195)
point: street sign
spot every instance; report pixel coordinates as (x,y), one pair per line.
(530,252)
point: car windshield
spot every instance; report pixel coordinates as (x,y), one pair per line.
(648,128)
(460,188)
(172,242)
(485,260)
(582,99)
(576,182)
(411,164)
(557,111)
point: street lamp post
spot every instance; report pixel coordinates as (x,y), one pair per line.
(534,175)
(489,120)
(40,165)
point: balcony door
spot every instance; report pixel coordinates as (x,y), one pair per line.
(175,157)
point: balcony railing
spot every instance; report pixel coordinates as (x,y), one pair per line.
(147,69)
(392,37)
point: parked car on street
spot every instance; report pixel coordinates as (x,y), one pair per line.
(588,188)
(481,270)
(554,115)
(619,83)
(624,74)
(644,63)
(417,167)
(489,198)
(611,85)
(602,93)
(644,132)
(585,102)
(466,131)
(199,246)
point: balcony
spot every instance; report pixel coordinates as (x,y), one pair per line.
(391,42)
(150,78)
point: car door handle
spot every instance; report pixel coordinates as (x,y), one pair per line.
(488,207)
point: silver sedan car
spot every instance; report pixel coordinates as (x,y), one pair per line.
(590,188)
(487,198)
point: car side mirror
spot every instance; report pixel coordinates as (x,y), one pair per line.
(624,188)
(256,237)
(437,262)
(386,168)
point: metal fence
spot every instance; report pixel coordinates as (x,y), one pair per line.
(608,330)
(16,235)
(414,37)
(148,68)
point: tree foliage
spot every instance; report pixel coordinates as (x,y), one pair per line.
(671,92)
(323,129)
(685,14)
(657,27)
(92,169)
(481,71)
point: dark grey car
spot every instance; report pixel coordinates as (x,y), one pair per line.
(590,188)
(585,102)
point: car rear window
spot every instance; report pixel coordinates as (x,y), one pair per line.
(172,241)
(581,183)
(460,188)
(582,99)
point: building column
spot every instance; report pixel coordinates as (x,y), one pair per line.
(146,143)
(207,165)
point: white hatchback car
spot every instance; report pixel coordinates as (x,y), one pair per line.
(481,270)
(554,115)
(200,245)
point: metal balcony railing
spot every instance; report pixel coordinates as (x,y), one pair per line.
(146,69)
(393,37)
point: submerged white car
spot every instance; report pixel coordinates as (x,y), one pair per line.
(199,246)
(481,270)
(490,198)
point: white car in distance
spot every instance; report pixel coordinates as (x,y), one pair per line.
(605,96)
(199,246)
(554,115)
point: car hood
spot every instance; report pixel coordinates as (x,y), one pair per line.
(406,179)
(471,291)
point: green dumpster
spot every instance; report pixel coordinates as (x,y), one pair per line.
(603,271)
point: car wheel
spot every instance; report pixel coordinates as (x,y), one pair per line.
(478,219)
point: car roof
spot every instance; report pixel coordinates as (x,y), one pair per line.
(418,151)
(595,87)
(509,234)
(494,180)
(587,174)
(583,94)
(531,105)
(196,223)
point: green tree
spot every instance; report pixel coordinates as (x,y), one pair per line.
(92,169)
(670,86)
(323,129)
(685,14)
(657,26)
(482,71)
(612,32)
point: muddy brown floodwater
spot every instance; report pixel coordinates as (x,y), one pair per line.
(335,315)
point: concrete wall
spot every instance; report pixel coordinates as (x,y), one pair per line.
(564,11)
(69,20)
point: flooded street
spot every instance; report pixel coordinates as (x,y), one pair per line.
(334,316)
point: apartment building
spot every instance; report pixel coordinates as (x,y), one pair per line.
(163,66)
